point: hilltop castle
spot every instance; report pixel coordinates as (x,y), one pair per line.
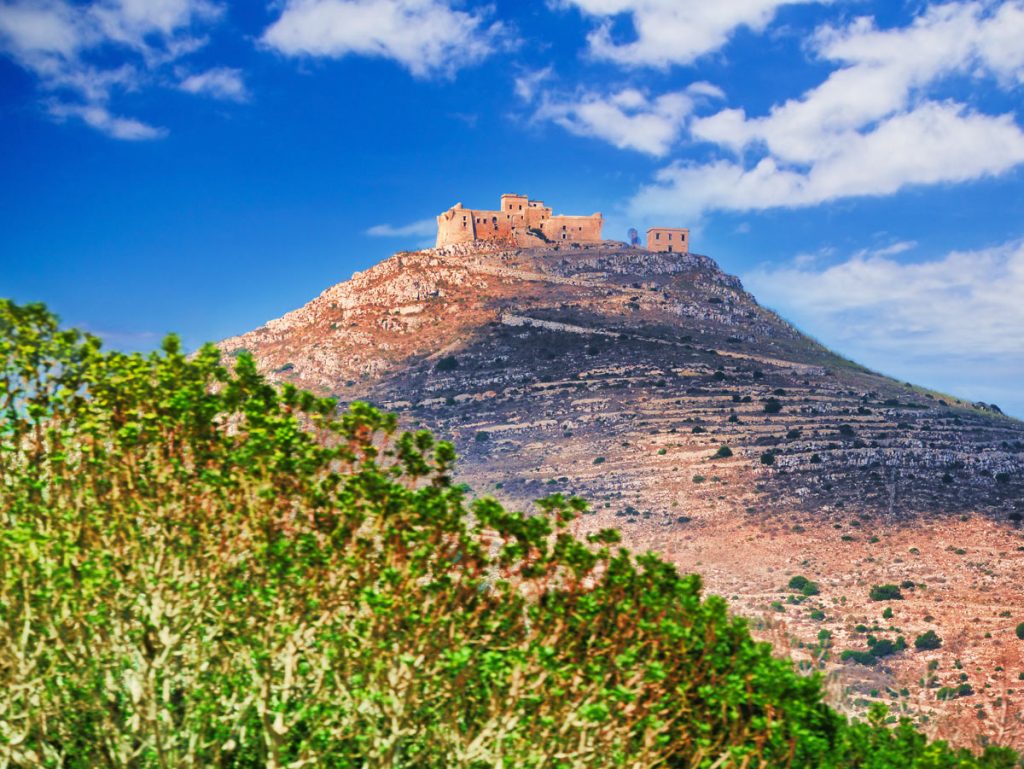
(520,220)
(524,222)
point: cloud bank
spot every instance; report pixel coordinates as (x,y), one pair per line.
(870,128)
(956,318)
(670,32)
(82,54)
(427,37)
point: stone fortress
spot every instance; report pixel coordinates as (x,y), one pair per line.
(521,221)
(529,223)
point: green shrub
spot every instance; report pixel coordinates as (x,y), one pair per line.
(797,582)
(772,406)
(927,641)
(860,657)
(723,452)
(885,593)
(1020,631)
(768,458)
(887,613)
(482,436)
(447,363)
(198,568)
(884,647)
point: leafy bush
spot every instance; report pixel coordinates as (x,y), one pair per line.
(803,585)
(954,692)
(200,569)
(927,641)
(885,593)
(883,647)
(768,458)
(723,452)
(1020,631)
(860,657)
(447,363)
(797,582)
(772,406)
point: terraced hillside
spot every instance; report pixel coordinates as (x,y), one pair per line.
(620,375)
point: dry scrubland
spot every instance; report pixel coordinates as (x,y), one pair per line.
(619,374)
(198,568)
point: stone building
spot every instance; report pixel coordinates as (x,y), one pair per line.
(670,239)
(519,221)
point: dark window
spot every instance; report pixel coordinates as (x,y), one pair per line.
(670,249)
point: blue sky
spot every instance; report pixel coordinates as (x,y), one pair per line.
(203,166)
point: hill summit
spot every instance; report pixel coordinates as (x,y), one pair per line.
(708,429)
(522,354)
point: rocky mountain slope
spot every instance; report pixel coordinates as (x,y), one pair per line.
(620,375)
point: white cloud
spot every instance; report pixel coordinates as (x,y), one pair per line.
(673,31)
(627,118)
(869,128)
(427,37)
(421,228)
(84,52)
(99,117)
(527,85)
(966,303)
(954,319)
(900,247)
(219,82)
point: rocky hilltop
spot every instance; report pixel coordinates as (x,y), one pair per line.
(705,427)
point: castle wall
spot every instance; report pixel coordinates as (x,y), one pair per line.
(575,229)
(668,239)
(518,215)
(456,225)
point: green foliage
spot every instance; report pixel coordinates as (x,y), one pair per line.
(772,406)
(886,593)
(1020,631)
(447,363)
(884,647)
(200,569)
(768,458)
(927,640)
(955,692)
(887,613)
(860,657)
(804,585)
(724,452)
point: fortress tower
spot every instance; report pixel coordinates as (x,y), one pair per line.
(519,221)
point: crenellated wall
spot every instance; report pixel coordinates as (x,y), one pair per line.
(518,222)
